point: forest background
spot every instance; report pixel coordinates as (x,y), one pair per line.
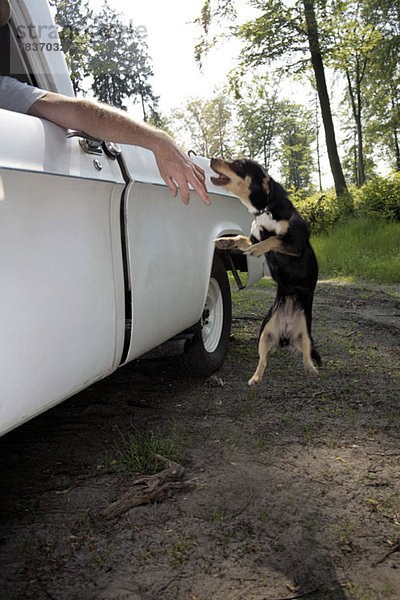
(276,103)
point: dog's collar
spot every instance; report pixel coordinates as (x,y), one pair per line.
(262,211)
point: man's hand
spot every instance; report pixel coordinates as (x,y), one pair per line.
(178,170)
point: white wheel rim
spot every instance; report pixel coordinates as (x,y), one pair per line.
(213,317)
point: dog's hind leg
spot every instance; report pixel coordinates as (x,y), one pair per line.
(269,338)
(315,354)
(303,343)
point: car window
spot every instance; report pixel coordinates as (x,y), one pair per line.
(13,60)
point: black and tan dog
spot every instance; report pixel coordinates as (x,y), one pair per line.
(279,232)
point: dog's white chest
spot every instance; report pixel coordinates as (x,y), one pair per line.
(264,221)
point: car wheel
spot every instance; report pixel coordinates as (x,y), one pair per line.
(206,353)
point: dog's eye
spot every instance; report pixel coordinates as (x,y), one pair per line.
(238,167)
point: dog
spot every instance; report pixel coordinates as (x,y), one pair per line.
(279,232)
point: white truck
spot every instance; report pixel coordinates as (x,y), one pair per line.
(98,263)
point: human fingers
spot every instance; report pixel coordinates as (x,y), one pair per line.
(172,185)
(183,188)
(197,179)
(200,172)
(200,188)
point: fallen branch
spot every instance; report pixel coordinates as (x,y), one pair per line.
(151,488)
(299,595)
(395,548)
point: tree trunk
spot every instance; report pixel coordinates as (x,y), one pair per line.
(318,150)
(318,66)
(356,107)
(397,149)
(395,136)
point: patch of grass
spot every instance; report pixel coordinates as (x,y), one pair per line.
(134,452)
(261,283)
(361,248)
(357,593)
(344,531)
(101,557)
(179,550)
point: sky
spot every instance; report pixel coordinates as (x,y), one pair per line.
(171,38)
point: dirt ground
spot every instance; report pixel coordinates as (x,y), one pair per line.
(297,481)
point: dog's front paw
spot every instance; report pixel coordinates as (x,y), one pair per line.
(255,250)
(225,243)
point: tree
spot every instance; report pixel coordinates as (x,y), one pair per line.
(109,56)
(207,124)
(119,62)
(320,80)
(75,20)
(383,85)
(296,136)
(354,36)
(259,113)
(288,33)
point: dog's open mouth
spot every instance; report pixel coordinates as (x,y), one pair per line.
(221,179)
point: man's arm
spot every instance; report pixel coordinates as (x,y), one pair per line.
(107,123)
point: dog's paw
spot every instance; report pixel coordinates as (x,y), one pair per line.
(311,370)
(225,243)
(255,250)
(253,381)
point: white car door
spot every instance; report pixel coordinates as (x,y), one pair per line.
(61,300)
(170,250)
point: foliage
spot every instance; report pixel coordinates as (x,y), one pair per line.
(207,121)
(383,90)
(268,127)
(259,112)
(321,211)
(119,62)
(74,18)
(352,41)
(379,197)
(297,134)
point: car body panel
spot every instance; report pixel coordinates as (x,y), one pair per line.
(98,262)
(62,288)
(170,249)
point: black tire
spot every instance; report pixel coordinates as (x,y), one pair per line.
(207,351)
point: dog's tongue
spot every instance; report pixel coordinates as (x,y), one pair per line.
(220,180)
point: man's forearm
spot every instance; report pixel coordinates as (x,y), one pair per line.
(98,120)
(106,123)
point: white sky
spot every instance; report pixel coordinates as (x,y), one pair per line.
(171,37)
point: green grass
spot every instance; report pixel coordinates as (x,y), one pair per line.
(134,451)
(360,248)
(261,283)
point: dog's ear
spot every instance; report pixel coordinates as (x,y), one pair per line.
(261,178)
(265,183)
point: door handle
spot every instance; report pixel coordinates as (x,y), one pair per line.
(87,142)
